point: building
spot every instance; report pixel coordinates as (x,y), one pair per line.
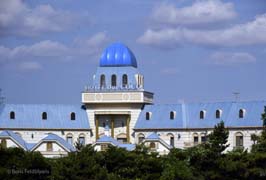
(117,111)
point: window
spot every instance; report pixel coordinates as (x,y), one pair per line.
(124,80)
(102,81)
(172,115)
(3,143)
(69,138)
(239,139)
(122,138)
(203,138)
(104,147)
(73,116)
(17,133)
(152,145)
(241,113)
(141,137)
(202,114)
(195,139)
(12,115)
(148,115)
(172,141)
(49,146)
(113,80)
(44,115)
(218,114)
(82,139)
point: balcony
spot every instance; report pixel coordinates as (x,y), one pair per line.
(116,95)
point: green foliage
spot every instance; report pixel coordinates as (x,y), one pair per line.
(217,142)
(204,161)
(15,163)
(260,146)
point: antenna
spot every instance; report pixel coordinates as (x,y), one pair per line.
(236,94)
(2,99)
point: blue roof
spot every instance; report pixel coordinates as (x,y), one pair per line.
(54,137)
(187,115)
(109,139)
(30,146)
(129,147)
(16,138)
(30,116)
(117,54)
(160,117)
(153,136)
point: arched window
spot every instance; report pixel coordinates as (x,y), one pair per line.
(124,80)
(44,115)
(148,115)
(195,138)
(102,81)
(49,146)
(239,139)
(3,143)
(141,137)
(152,145)
(172,114)
(218,114)
(202,114)
(171,139)
(12,115)
(69,138)
(203,137)
(241,113)
(17,133)
(73,116)
(113,80)
(82,139)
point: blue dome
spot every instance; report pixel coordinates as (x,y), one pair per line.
(117,54)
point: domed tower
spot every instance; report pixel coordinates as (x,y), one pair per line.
(116,95)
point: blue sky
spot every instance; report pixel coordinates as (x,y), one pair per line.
(192,51)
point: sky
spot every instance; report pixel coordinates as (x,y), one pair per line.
(188,51)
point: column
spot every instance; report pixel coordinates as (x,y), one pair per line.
(97,127)
(112,126)
(128,130)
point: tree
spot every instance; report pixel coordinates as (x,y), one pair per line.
(78,145)
(217,142)
(261,142)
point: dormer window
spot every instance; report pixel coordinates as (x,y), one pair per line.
(113,80)
(202,114)
(12,115)
(124,80)
(218,114)
(44,115)
(172,115)
(73,116)
(102,81)
(241,113)
(148,115)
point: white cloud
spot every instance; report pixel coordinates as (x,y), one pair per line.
(91,45)
(200,12)
(32,56)
(17,18)
(226,58)
(249,33)
(30,66)
(169,71)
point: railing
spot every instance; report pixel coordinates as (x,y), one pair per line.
(112,88)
